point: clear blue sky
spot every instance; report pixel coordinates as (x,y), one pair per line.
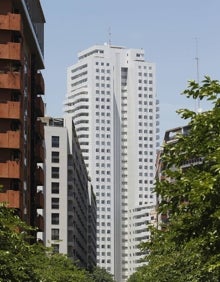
(166,30)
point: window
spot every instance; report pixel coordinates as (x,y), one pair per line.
(55,140)
(56,248)
(55,157)
(55,203)
(55,219)
(55,234)
(55,187)
(55,172)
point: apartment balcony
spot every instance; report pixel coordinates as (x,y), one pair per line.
(10,80)
(39,153)
(40,129)
(11,22)
(40,200)
(11,51)
(10,110)
(40,88)
(39,175)
(39,107)
(40,223)
(11,198)
(10,139)
(10,169)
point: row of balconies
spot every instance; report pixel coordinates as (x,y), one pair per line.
(11,51)
(11,22)
(12,110)
(12,80)
(12,140)
(39,200)
(40,222)
(39,107)
(12,199)
(12,169)
(14,51)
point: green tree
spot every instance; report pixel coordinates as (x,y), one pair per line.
(14,249)
(22,262)
(189,248)
(55,267)
(101,275)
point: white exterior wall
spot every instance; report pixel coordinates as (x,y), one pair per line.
(62,180)
(112,97)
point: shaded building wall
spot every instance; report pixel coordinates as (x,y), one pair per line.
(21,87)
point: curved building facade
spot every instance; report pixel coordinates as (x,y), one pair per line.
(111,95)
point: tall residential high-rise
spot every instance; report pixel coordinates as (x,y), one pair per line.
(111,95)
(70,208)
(21,87)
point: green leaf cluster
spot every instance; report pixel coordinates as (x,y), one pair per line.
(24,262)
(189,248)
(101,275)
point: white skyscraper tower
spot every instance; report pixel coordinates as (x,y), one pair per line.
(111,95)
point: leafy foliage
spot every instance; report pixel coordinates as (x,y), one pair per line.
(22,262)
(189,248)
(101,275)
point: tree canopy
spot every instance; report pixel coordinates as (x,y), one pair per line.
(189,247)
(101,275)
(24,262)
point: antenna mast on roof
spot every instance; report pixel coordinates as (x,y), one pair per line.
(198,109)
(109,36)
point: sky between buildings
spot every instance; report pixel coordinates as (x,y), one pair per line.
(172,33)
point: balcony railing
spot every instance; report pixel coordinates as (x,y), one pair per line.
(40,88)
(39,107)
(10,80)
(10,169)
(11,198)
(40,129)
(10,110)
(11,22)
(10,139)
(11,51)
(40,200)
(39,176)
(40,223)
(39,153)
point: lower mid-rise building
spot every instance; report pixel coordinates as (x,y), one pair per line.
(70,207)
(171,138)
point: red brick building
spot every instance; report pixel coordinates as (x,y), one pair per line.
(21,90)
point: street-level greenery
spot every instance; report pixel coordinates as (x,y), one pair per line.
(188,249)
(24,262)
(99,274)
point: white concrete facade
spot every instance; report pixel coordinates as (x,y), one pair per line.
(111,95)
(56,192)
(70,208)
